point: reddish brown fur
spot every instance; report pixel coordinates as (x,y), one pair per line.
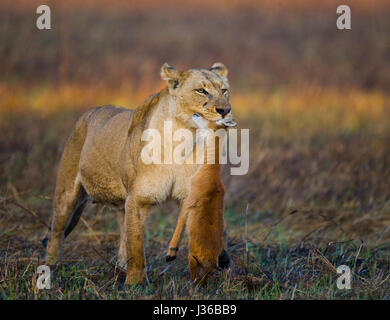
(205,221)
(205,224)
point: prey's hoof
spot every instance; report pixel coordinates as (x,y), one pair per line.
(45,241)
(171,254)
(170,258)
(224,260)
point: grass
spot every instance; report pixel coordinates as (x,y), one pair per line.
(317,192)
(319,117)
(277,271)
(264,47)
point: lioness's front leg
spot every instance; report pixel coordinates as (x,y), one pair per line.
(122,254)
(136,216)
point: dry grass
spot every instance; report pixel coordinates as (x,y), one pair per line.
(330,165)
(108,45)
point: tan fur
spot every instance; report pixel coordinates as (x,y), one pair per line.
(101,160)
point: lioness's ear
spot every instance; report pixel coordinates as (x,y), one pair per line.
(169,73)
(220,69)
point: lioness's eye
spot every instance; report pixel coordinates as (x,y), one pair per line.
(202,91)
(224,91)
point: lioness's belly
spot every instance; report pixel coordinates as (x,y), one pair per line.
(99,166)
(103,189)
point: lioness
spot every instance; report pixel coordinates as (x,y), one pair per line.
(102,161)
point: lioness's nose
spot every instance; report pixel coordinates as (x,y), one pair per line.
(223,111)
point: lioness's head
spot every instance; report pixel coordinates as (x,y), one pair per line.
(201,95)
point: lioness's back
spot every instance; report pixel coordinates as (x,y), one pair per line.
(97,117)
(106,132)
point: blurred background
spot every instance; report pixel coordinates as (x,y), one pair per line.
(315,98)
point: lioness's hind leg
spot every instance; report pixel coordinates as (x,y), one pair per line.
(67,211)
(70,197)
